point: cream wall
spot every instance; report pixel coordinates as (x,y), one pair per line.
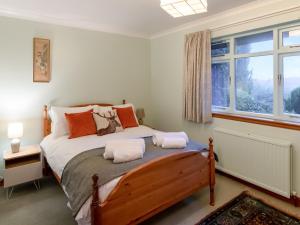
(167,52)
(87,66)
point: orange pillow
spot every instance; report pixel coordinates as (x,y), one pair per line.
(81,124)
(127,117)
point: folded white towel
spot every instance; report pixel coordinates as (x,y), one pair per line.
(113,145)
(109,149)
(128,152)
(173,142)
(158,137)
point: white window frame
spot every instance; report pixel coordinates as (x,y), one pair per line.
(278,52)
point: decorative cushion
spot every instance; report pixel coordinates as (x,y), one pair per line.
(126,106)
(59,125)
(107,121)
(81,124)
(127,117)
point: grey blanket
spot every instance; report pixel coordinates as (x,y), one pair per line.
(77,175)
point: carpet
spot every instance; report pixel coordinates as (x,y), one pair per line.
(248,210)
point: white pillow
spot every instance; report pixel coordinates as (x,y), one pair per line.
(128,105)
(101,109)
(59,125)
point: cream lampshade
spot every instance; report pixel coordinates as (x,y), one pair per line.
(15,132)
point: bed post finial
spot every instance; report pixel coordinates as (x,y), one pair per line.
(45,108)
(95,205)
(211,172)
(46,129)
(211,140)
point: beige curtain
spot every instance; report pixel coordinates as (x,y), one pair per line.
(197,77)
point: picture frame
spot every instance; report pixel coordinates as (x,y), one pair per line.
(41,60)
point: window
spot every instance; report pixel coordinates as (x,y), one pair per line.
(291,37)
(220,48)
(220,84)
(254,43)
(291,83)
(265,72)
(254,84)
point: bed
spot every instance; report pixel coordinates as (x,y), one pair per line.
(140,193)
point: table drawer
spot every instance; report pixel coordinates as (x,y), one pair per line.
(22,174)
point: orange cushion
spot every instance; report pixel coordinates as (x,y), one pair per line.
(126,116)
(81,124)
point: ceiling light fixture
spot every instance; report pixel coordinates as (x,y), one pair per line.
(178,8)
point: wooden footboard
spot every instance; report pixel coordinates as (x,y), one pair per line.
(153,187)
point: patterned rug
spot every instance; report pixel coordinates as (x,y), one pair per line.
(247,210)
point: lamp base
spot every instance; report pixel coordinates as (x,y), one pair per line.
(141,122)
(15,145)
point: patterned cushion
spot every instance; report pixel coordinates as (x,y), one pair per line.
(107,122)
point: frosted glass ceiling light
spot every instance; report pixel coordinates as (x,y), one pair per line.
(178,8)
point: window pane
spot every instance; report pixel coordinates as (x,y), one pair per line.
(219,48)
(291,37)
(254,43)
(254,84)
(220,84)
(291,91)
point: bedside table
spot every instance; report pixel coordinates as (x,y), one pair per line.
(22,167)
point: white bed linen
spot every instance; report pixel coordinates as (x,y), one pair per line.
(59,151)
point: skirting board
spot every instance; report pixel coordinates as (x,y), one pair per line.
(294,200)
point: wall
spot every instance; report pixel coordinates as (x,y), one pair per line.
(87,66)
(167,52)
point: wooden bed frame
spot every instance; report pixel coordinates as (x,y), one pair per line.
(151,187)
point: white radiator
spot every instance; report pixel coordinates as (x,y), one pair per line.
(259,160)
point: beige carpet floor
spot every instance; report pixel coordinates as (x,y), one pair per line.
(48,205)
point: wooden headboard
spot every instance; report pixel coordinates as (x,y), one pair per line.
(47,120)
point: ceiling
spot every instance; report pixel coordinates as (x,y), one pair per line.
(142,18)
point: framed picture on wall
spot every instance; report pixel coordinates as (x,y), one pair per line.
(41,60)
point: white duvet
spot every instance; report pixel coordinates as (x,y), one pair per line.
(59,151)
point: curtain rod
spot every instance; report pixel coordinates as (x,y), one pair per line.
(294,9)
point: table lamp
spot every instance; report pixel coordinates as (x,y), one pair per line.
(140,114)
(15,132)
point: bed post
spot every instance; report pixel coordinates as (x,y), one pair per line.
(45,118)
(211,172)
(46,122)
(95,206)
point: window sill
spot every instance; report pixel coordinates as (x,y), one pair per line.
(261,121)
